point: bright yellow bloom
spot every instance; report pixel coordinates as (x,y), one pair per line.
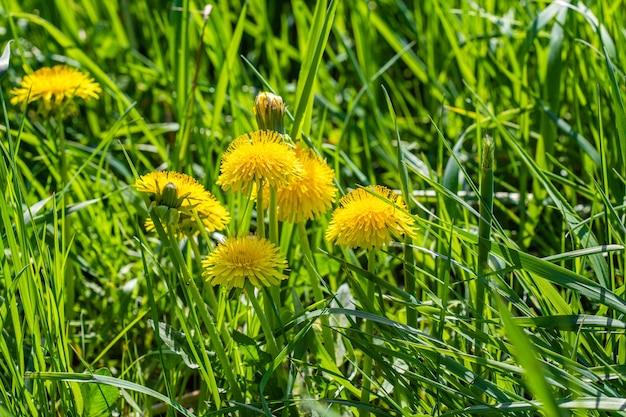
(54,86)
(252,258)
(366,220)
(176,196)
(260,155)
(310,195)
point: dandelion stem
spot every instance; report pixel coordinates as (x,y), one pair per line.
(273,290)
(260,213)
(315,285)
(484,235)
(192,293)
(369,331)
(265,325)
(273,217)
(213,302)
(66,231)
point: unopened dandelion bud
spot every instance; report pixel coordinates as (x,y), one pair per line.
(169,196)
(269,111)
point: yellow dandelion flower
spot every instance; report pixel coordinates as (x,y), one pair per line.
(183,194)
(189,191)
(365,220)
(310,195)
(260,155)
(54,86)
(252,258)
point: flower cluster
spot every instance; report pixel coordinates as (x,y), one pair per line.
(301,186)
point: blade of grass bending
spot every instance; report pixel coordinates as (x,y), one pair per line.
(107,380)
(570,322)
(526,356)
(193,294)
(409,257)
(561,276)
(226,72)
(155,316)
(318,37)
(552,85)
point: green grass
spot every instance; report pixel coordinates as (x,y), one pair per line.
(510,299)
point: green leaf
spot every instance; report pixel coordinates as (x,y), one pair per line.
(176,342)
(5,58)
(99,399)
(109,381)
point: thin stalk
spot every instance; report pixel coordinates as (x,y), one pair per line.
(265,325)
(194,294)
(273,217)
(484,236)
(260,213)
(66,230)
(309,261)
(213,302)
(369,330)
(274,290)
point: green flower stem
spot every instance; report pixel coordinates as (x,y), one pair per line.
(192,293)
(274,290)
(409,279)
(273,217)
(260,213)
(369,330)
(66,232)
(484,235)
(265,325)
(212,299)
(327,335)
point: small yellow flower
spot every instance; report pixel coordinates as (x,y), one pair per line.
(176,196)
(310,195)
(252,258)
(54,86)
(366,220)
(258,156)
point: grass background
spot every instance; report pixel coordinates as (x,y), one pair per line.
(515,308)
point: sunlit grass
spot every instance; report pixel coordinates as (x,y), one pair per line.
(505,296)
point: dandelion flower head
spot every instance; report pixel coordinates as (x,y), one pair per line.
(306,197)
(184,194)
(367,220)
(54,86)
(248,258)
(258,156)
